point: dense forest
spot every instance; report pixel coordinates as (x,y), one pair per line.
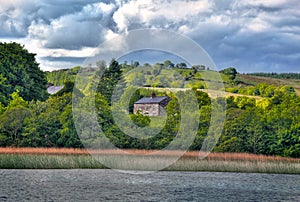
(30,117)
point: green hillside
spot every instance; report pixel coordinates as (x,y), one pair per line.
(252,80)
(158,76)
(265,121)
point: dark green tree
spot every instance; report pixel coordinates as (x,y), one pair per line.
(140,120)
(11,125)
(4,90)
(168,64)
(109,80)
(67,135)
(231,72)
(21,72)
(181,65)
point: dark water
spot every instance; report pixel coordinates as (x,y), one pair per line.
(108,185)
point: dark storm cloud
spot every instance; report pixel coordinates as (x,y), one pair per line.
(258,35)
(86,28)
(17,16)
(263,38)
(76,36)
(64,59)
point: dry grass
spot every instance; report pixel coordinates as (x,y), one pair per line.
(189,154)
(63,158)
(248,157)
(46,151)
(278,167)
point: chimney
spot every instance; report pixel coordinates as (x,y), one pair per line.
(153,95)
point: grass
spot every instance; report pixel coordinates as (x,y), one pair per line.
(254,80)
(239,163)
(34,161)
(54,158)
(211,93)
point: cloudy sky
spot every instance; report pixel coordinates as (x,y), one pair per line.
(257,35)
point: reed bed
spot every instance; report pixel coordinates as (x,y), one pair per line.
(64,158)
(274,167)
(190,154)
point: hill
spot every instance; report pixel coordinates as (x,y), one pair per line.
(158,76)
(265,121)
(277,75)
(252,80)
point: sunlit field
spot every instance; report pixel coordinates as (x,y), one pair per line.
(56,158)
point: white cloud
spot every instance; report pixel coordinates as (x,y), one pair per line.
(152,13)
(258,25)
(77,30)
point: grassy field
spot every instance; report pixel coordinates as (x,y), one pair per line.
(254,80)
(53,158)
(211,93)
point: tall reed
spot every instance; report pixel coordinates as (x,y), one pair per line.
(56,158)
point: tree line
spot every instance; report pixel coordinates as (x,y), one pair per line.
(29,117)
(277,75)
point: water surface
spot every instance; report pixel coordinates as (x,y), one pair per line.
(108,185)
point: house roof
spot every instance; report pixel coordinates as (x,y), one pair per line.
(54,89)
(151,100)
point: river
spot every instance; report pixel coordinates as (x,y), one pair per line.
(109,185)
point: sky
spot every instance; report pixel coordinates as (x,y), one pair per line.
(252,36)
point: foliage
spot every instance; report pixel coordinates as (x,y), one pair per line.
(277,75)
(11,125)
(69,88)
(269,125)
(59,77)
(16,100)
(109,80)
(20,72)
(231,72)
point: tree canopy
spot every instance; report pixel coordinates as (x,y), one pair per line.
(268,125)
(19,71)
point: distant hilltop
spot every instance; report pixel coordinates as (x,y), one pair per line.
(156,76)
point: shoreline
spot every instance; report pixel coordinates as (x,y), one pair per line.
(52,158)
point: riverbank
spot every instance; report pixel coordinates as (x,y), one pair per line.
(54,158)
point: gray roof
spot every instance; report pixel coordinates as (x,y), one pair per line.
(54,89)
(151,100)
